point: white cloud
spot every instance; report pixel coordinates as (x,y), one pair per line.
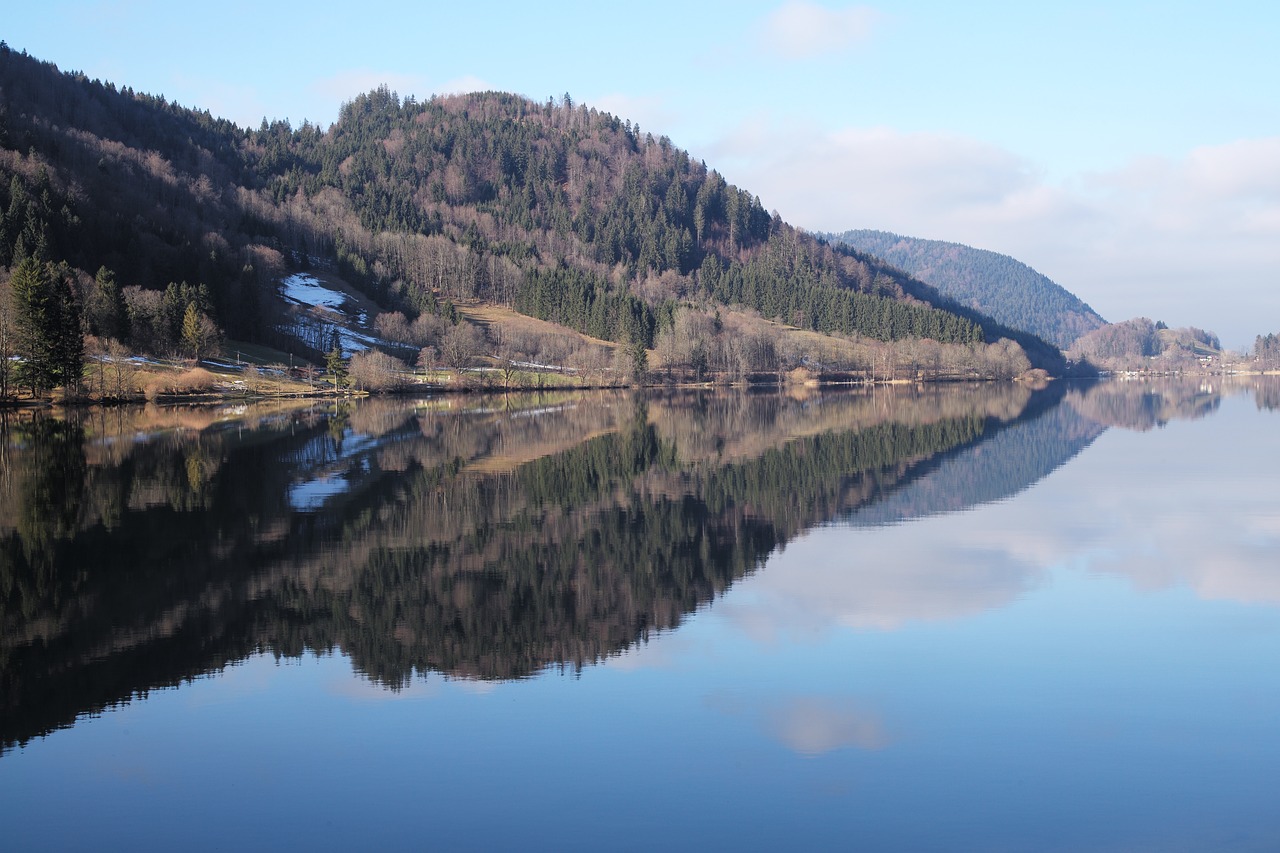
(825,179)
(1246,167)
(1193,240)
(802,30)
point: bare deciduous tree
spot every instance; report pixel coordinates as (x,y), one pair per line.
(460,345)
(376,371)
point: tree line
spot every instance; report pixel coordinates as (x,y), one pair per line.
(1266,351)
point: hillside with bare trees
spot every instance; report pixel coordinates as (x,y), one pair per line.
(170,229)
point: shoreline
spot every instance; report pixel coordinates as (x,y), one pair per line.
(817,381)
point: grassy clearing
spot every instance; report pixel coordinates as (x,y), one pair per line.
(487,315)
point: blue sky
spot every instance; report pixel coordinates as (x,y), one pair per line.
(1131,151)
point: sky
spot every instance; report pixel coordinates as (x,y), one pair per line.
(1128,150)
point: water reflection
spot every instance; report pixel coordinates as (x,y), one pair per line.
(1193,510)
(493,538)
(810,725)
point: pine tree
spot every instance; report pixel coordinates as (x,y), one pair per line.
(106,310)
(66,332)
(32,290)
(8,339)
(48,335)
(336,365)
(639,361)
(192,334)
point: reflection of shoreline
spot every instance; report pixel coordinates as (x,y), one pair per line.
(483,543)
(1143,403)
(1189,511)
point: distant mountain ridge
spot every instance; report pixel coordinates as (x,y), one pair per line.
(997,285)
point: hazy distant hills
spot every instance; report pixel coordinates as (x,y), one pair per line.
(994,284)
(553,209)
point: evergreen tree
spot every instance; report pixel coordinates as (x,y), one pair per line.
(48,336)
(66,332)
(192,334)
(105,309)
(336,365)
(8,339)
(32,297)
(639,361)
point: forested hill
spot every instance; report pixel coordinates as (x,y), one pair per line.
(994,284)
(560,211)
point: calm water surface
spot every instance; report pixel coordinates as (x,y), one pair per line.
(942,619)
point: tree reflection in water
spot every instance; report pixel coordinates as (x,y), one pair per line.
(485,539)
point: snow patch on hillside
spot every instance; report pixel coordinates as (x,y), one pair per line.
(305,289)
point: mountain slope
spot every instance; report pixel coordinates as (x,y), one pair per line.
(556,210)
(571,215)
(1006,289)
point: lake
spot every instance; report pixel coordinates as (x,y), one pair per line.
(940,618)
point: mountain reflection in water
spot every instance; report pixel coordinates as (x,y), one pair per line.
(486,539)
